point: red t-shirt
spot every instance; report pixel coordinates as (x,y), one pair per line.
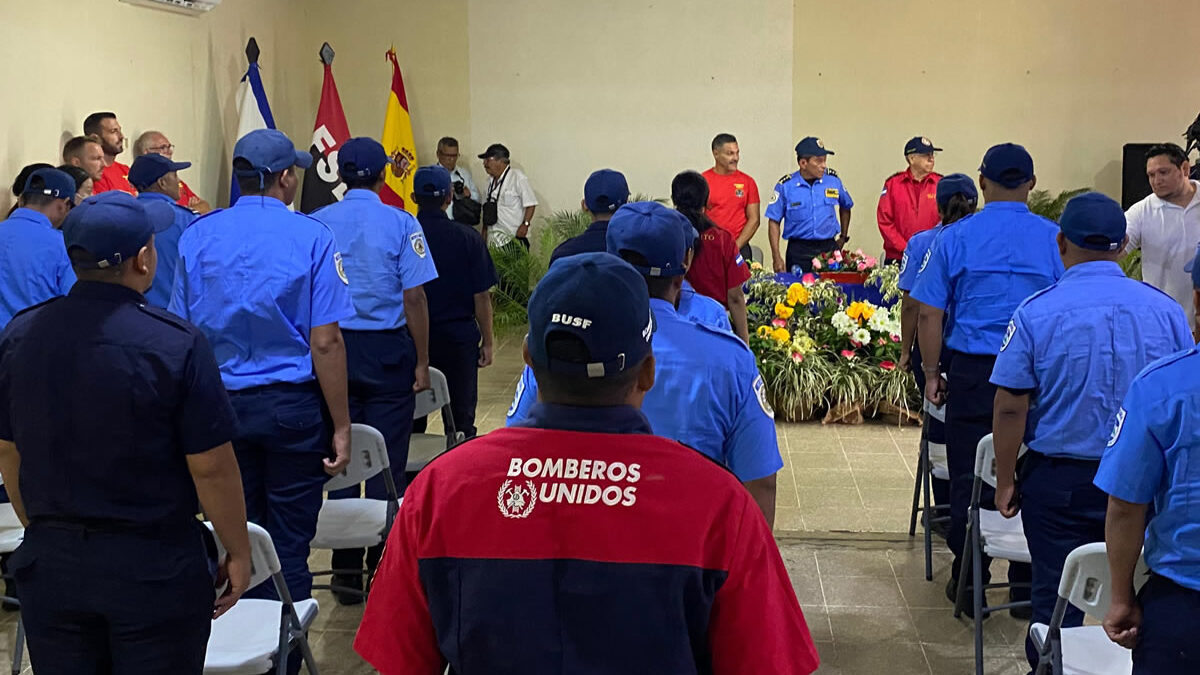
(728,197)
(718,265)
(114,177)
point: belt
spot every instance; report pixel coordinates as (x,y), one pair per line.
(402,330)
(112,526)
(1062,459)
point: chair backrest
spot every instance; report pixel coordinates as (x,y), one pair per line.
(368,456)
(1086,582)
(756,255)
(264,562)
(985,459)
(435,398)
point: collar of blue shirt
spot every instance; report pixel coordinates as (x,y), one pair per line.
(251,201)
(1094,268)
(658,305)
(155,195)
(362,194)
(1019,207)
(99,290)
(619,419)
(31,216)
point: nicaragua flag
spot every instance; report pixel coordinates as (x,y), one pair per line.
(253,111)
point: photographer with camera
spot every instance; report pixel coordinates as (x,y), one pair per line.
(466,205)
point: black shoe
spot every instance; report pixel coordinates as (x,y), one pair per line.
(346,597)
(1023,613)
(968,607)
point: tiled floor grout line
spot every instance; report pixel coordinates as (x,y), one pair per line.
(908,608)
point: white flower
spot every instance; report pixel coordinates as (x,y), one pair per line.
(862,336)
(843,323)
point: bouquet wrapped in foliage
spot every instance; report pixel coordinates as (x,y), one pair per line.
(844,261)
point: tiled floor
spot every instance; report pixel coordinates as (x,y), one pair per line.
(842,523)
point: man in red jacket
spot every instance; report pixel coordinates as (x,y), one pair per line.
(579,542)
(908,204)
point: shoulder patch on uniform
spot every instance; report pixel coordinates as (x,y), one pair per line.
(925,260)
(1116,431)
(904,262)
(786,177)
(417,240)
(1009,333)
(830,172)
(760,392)
(166,317)
(341,269)
(774,196)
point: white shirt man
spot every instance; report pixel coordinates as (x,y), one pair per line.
(514,198)
(1166,225)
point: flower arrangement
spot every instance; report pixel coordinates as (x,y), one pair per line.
(844,261)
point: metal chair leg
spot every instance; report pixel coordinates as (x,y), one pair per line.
(930,513)
(19,647)
(916,502)
(977,599)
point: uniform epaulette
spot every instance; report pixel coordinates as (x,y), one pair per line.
(830,172)
(723,334)
(1167,360)
(207,215)
(186,209)
(166,317)
(786,177)
(1038,294)
(40,304)
(1157,290)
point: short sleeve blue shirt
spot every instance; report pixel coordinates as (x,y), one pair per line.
(1154,456)
(384,253)
(166,245)
(256,278)
(914,257)
(1077,345)
(34,266)
(809,210)
(982,268)
(702,309)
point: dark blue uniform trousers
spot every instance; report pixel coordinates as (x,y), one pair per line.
(969,403)
(97,600)
(454,350)
(1169,644)
(283,434)
(381,367)
(1061,510)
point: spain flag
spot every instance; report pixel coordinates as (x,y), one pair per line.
(398,142)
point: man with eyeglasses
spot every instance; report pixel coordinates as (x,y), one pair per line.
(460,178)
(157,143)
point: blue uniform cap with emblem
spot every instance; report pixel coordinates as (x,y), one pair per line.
(605,191)
(956,184)
(362,157)
(113,226)
(811,146)
(1093,221)
(660,235)
(919,145)
(1008,164)
(431,181)
(150,167)
(269,151)
(52,182)
(599,299)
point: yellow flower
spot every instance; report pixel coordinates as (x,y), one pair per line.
(783,311)
(756,266)
(764,331)
(797,294)
(781,335)
(860,311)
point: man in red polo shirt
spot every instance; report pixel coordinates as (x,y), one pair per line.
(908,204)
(104,126)
(732,195)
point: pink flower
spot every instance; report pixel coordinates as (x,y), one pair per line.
(848,353)
(816,263)
(871,262)
(861,265)
(809,278)
(895,338)
(887,365)
(882,342)
(837,255)
(856,343)
(779,323)
(858,253)
(797,357)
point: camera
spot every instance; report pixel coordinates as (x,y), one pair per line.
(459,188)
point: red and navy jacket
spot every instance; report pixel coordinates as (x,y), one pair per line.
(586,545)
(906,207)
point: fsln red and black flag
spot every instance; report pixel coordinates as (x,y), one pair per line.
(321,183)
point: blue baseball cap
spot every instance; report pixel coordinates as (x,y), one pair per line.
(113,226)
(269,151)
(919,145)
(362,157)
(1093,221)
(1008,164)
(600,299)
(811,146)
(661,235)
(431,181)
(605,191)
(150,167)
(52,182)
(956,184)
(1193,266)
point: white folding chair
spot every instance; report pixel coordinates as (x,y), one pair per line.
(422,448)
(992,534)
(357,522)
(756,255)
(931,463)
(256,636)
(12,533)
(1083,650)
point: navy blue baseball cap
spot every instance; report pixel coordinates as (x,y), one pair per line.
(661,235)
(269,151)
(1093,221)
(811,146)
(600,299)
(52,182)
(605,191)
(1008,164)
(919,145)
(113,226)
(150,167)
(362,157)
(956,184)
(495,151)
(431,181)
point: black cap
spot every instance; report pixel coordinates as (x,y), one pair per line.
(495,151)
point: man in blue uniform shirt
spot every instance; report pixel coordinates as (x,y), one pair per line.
(33,261)
(156,179)
(804,202)
(969,285)
(460,304)
(1153,456)
(1074,348)
(115,430)
(707,392)
(387,340)
(604,192)
(266,287)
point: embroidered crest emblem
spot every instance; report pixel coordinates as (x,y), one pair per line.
(903,262)
(1008,334)
(925,261)
(739,189)
(1116,432)
(820,144)
(341,270)
(418,243)
(760,391)
(774,196)
(516,501)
